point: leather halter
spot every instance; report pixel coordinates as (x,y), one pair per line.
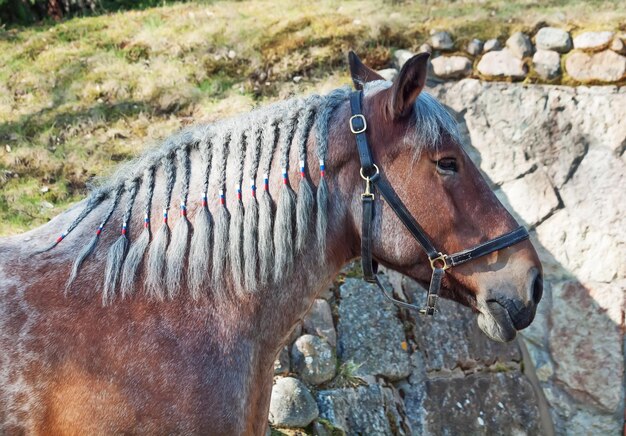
(439,262)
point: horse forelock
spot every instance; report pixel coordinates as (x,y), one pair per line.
(432,122)
(221,239)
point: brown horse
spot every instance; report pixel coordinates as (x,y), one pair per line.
(152,331)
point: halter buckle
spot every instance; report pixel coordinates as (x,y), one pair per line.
(431,305)
(356,129)
(368,191)
(442,258)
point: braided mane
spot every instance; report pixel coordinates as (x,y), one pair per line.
(244,242)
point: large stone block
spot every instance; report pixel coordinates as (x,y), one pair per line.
(585,237)
(483,403)
(587,422)
(530,198)
(588,348)
(370,334)
(357,411)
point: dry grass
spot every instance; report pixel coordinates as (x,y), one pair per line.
(79,96)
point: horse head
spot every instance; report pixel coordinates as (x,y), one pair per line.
(414,141)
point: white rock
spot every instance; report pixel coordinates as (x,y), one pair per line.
(319,321)
(593,40)
(547,64)
(551,38)
(502,64)
(400,57)
(596,210)
(425,48)
(449,67)
(605,66)
(281,364)
(519,44)
(618,46)
(441,41)
(291,404)
(388,74)
(474,47)
(492,45)
(313,359)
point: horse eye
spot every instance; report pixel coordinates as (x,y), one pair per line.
(447,165)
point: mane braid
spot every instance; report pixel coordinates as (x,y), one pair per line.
(251,213)
(89,248)
(177,251)
(331,102)
(138,248)
(154,282)
(117,251)
(93,201)
(200,247)
(266,240)
(306,202)
(222,217)
(237,216)
(283,226)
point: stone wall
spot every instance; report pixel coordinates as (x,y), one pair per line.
(556,156)
(551,55)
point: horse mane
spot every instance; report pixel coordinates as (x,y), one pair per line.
(255,247)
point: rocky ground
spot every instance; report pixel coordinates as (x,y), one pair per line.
(558,162)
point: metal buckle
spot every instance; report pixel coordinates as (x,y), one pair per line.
(443,258)
(356,131)
(368,191)
(364,177)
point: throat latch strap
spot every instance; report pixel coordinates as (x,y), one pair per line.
(375,183)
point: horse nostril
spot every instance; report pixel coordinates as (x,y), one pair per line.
(537,288)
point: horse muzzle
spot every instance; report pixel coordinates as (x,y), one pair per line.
(502,315)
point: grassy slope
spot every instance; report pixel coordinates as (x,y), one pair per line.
(79,96)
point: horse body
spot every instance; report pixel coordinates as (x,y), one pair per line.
(171,363)
(143,365)
(176,366)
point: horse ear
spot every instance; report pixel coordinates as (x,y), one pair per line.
(361,74)
(408,85)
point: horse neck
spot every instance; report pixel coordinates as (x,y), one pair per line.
(313,270)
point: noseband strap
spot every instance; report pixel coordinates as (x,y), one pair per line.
(439,261)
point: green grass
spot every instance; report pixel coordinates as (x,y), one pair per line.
(78,96)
